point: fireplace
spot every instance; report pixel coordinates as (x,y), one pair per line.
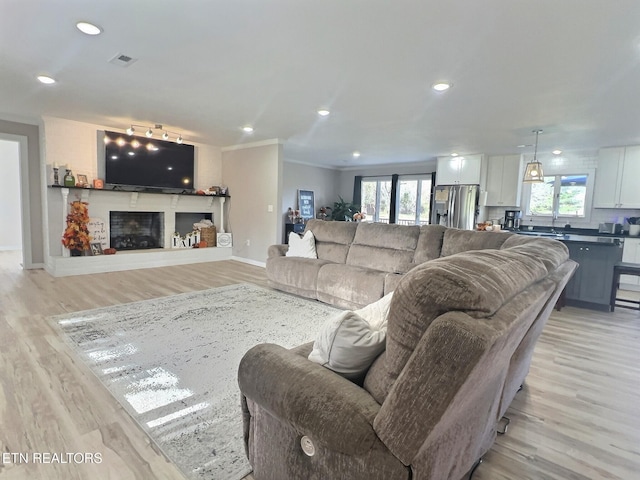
(136,230)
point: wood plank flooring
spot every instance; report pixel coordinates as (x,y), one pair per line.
(577,418)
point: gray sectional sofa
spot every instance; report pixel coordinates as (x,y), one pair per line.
(358,263)
(467,310)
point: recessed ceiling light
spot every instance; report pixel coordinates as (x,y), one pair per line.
(557,152)
(454,154)
(441,86)
(247,129)
(323,112)
(89,28)
(46,79)
(356,154)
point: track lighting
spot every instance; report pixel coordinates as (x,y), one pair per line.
(150,132)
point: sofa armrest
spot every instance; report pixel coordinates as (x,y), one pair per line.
(277,251)
(317,402)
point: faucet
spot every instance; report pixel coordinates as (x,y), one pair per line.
(554,217)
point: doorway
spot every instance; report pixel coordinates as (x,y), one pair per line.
(11,230)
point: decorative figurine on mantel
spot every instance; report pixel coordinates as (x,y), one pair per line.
(56,178)
(69,179)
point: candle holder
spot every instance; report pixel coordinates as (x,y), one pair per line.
(56,178)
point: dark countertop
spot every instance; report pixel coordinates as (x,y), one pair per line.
(590,236)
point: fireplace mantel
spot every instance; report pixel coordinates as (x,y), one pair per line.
(101,202)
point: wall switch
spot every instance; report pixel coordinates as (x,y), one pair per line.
(247,243)
(269,208)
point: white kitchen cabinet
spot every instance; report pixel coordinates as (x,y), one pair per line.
(617,178)
(631,254)
(504,181)
(461,170)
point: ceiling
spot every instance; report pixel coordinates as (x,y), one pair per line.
(206,68)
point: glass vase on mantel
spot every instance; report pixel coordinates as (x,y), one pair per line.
(75,252)
(69,179)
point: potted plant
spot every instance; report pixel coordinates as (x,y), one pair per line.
(76,236)
(343,211)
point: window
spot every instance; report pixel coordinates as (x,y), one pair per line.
(376,199)
(559,196)
(414,200)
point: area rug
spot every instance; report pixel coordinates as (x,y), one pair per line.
(172,363)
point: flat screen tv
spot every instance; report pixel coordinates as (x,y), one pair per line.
(147,162)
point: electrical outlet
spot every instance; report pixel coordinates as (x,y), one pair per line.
(247,243)
(269,208)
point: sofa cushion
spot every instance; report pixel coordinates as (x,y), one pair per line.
(304,246)
(476,282)
(332,239)
(429,243)
(349,286)
(295,275)
(551,252)
(457,241)
(380,246)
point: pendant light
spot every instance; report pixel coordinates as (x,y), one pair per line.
(533,173)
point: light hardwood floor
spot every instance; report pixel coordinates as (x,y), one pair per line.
(577,418)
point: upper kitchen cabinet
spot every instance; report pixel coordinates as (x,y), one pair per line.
(504,181)
(617,178)
(461,170)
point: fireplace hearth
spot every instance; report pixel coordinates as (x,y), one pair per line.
(136,230)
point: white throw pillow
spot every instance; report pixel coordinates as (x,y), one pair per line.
(348,344)
(302,246)
(376,313)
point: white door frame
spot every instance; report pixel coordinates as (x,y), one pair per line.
(25,202)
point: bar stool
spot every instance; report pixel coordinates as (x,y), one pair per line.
(623,268)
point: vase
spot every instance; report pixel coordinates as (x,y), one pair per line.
(76,252)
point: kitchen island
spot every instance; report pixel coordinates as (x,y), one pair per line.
(596,254)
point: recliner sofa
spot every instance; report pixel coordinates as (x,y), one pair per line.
(461,331)
(359,263)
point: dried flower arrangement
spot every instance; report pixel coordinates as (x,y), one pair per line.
(76,235)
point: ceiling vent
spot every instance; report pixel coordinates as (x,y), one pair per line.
(122,60)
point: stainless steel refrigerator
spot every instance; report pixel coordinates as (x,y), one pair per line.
(456,206)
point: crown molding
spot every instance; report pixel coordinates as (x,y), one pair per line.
(242,146)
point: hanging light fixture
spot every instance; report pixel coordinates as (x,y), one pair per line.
(533,172)
(150,131)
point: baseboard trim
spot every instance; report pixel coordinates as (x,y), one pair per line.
(249,261)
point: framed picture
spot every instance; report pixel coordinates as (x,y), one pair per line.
(306,204)
(98,183)
(96,248)
(82,180)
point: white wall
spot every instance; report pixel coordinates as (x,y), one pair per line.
(322,181)
(76,144)
(10,214)
(254,176)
